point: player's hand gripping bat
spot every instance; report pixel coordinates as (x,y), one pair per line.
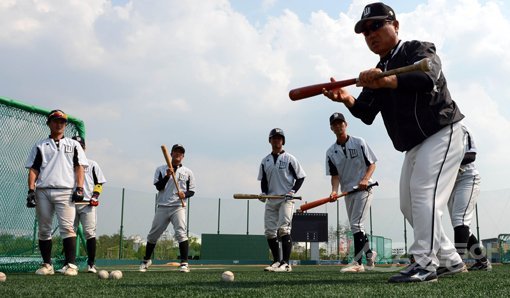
(312,90)
(251,196)
(169,164)
(323,201)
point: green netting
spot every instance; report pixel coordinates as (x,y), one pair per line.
(21,126)
(504,248)
(382,246)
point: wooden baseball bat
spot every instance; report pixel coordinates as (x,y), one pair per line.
(323,201)
(169,164)
(252,196)
(313,90)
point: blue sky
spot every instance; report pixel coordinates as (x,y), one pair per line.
(214,75)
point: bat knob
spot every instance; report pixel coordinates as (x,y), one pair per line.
(425,64)
(299,211)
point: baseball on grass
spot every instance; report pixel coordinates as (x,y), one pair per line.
(3,277)
(116,274)
(103,274)
(227,276)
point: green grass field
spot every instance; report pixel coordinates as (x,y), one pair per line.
(204,280)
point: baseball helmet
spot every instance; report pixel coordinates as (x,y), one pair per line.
(56,114)
(277,131)
(80,140)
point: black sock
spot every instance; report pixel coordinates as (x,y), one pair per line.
(45,248)
(275,250)
(366,248)
(461,240)
(473,246)
(91,251)
(183,250)
(149,249)
(286,248)
(70,250)
(359,244)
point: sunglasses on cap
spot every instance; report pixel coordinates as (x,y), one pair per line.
(376,25)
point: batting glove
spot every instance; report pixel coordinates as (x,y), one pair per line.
(262,199)
(289,195)
(93,201)
(31,203)
(77,195)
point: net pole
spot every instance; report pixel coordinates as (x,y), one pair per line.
(219,210)
(121,224)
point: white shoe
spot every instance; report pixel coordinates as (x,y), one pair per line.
(284,267)
(184,268)
(272,267)
(353,267)
(145,265)
(71,270)
(91,269)
(45,269)
(61,270)
(371,262)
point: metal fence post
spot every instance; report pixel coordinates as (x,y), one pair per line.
(121,224)
(247,217)
(219,208)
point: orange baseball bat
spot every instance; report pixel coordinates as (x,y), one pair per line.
(313,90)
(169,164)
(323,201)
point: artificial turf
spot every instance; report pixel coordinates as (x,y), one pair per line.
(251,281)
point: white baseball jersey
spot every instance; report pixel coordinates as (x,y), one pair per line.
(349,161)
(280,173)
(168,195)
(93,175)
(55,162)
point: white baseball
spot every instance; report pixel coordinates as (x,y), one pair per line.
(227,276)
(3,277)
(103,274)
(116,274)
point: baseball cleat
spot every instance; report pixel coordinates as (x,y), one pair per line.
(353,267)
(71,270)
(272,267)
(45,269)
(145,265)
(450,270)
(481,266)
(184,268)
(91,269)
(414,274)
(61,270)
(371,261)
(284,267)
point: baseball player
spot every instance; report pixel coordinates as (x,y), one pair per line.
(55,181)
(279,174)
(169,208)
(86,214)
(462,205)
(423,121)
(350,162)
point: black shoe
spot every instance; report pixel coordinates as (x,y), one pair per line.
(414,273)
(458,268)
(481,266)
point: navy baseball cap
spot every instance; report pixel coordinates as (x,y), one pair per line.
(335,117)
(374,11)
(178,147)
